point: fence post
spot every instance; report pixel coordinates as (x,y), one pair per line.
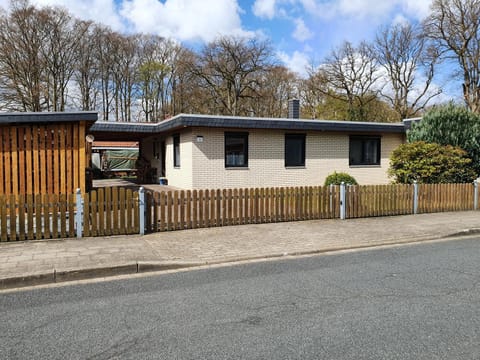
(342,201)
(330,192)
(141,209)
(475,194)
(415,197)
(79,213)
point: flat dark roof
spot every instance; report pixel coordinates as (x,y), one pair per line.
(47,117)
(216,121)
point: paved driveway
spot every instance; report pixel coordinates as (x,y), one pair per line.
(131,185)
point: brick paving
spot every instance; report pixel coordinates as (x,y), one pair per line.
(224,244)
(131,185)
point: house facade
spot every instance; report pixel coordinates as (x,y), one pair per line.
(199,152)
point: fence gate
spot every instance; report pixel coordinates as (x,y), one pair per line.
(111,211)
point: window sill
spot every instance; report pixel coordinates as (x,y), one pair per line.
(364,166)
(176,167)
(237,168)
(295,167)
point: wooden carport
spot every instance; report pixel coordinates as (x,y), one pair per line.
(127,131)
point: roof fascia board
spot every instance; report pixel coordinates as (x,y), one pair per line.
(185,121)
(47,117)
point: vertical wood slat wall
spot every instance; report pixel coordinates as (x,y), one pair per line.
(42,159)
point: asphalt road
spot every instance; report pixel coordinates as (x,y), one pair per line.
(410,302)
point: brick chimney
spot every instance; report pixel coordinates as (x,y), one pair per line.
(294,109)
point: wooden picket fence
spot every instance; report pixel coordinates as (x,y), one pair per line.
(185,209)
(120,211)
(36,217)
(387,200)
(445,197)
(106,211)
(378,200)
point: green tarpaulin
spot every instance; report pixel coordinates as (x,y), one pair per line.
(117,160)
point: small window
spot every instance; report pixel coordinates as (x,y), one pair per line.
(176,151)
(236,149)
(364,150)
(294,150)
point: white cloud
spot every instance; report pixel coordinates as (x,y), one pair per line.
(264,8)
(102,11)
(330,9)
(368,8)
(400,19)
(364,8)
(4,4)
(184,19)
(417,8)
(178,19)
(302,32)
(297,62)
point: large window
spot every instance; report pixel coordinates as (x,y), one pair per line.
(294,150)
(176,150)
(236,149)
(364,150)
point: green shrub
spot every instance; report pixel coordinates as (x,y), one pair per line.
(430,163)
(338,178)
(450,125)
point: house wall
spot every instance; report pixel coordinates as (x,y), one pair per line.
(203,164)
(182,176)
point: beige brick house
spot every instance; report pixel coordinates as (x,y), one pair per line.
(199,151)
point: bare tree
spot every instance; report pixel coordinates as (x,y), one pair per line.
(151,73)
(312,91)
(59,51)
(230,69)
(188,95)
(158,76)
(106,46)
(21,64)
(455,27)
(125,74)
(182,81)
(86,74)
(351,76)
(277,86)
(409,61)
(38,56)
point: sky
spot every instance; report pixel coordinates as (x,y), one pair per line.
(302,32)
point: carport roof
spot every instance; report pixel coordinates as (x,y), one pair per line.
(123,130)
(47,117)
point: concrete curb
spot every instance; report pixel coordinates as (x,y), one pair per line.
(465,232)
(67,275)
